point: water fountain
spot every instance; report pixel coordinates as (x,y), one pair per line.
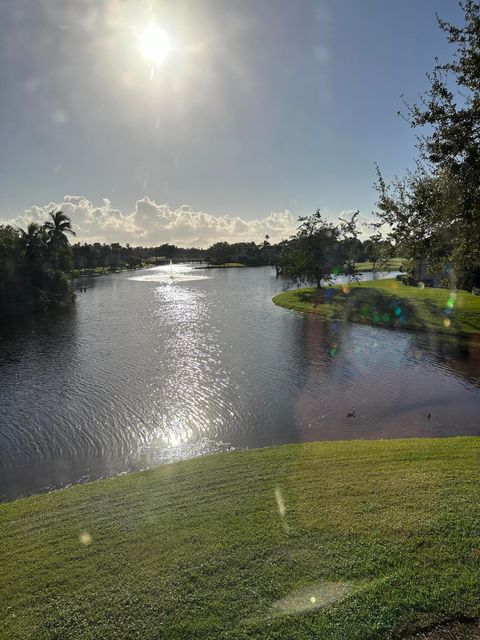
(169,275)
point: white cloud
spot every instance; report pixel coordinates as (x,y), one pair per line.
(152,224)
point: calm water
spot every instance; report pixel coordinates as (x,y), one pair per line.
(146,369)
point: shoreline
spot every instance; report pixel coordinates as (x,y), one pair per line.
(43,493)
(226,265)
(103,271)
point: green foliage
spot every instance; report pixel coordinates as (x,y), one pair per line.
(58,228)
(114,256)
(435,210)
(378,251)
(382,535)
(35,265)
(246,253)
(321,249)
(220,252)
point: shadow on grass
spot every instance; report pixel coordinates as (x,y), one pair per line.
(366,306)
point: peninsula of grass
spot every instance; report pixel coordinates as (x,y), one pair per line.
(392,304)
(359,540)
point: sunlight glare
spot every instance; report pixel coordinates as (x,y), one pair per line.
(155,44)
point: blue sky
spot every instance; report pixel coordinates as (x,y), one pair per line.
(262,106)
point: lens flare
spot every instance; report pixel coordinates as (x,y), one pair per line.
(85,538)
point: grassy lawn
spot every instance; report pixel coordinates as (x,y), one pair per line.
(339,540)
(395,264)
(389,303)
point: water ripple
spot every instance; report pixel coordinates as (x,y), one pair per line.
(150,368)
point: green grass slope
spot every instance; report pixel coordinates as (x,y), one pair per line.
(389,303)
(357,540)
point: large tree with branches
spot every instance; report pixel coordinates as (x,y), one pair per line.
(435,209)
(320,249)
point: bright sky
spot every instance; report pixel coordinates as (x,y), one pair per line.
(191,122)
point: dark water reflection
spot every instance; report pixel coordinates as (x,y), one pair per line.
(146,369)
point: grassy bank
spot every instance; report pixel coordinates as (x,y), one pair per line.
(394,265)
(392,304)
(357,540)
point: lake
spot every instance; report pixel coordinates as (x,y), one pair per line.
(147,368)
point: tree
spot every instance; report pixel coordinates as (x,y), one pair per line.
(59,251)
(316,252)
(435,210)
(351,245)
(220,252)
(35,266)
(377,250)
(277,259)
(58,228)
(10,253)
(33,242)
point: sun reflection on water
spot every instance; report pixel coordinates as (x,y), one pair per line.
(185,411)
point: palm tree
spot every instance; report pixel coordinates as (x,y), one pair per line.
(30,234)
(58,227)
(32,240)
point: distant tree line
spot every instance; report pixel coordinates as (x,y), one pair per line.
(248,253)
(113,256)
(35,265)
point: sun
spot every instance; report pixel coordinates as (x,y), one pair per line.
(155,44)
